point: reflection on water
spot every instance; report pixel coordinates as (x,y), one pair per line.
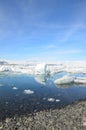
(64,85)
(40,92)
(41,78)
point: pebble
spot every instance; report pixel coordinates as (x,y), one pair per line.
(71,117)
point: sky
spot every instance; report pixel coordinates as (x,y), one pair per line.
(43,30)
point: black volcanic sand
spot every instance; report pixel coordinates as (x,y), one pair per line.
(71,117)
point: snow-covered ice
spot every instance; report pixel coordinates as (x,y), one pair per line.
(15,88)
(67,79)
(42,69)
(57,100)
(80,80)
(75,67)
(28,91)
(51,99)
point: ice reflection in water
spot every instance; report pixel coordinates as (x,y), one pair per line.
(17,102)
(42,78)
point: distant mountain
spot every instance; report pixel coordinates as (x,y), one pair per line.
(3,62)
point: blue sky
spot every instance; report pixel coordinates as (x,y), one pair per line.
(43,30)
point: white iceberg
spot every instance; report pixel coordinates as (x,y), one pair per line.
(80,80)
(57,100)
(67,79)
(42,69)
(28,91)
(6,69)
(15,88)
(51,99)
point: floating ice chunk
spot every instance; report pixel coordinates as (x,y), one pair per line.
(51,99)
(80,80)
(57,100)
(44,98)
(28,91)
(15,88)
(67,79)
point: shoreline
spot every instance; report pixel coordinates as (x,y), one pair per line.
(72,116)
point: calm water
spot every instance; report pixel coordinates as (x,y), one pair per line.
(13,100)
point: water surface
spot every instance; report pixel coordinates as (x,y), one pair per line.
(13,100)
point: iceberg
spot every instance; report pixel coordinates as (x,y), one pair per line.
(6,69)
(80,80)
(42,69)
(67,79)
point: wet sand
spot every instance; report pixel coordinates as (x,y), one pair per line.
(71,117)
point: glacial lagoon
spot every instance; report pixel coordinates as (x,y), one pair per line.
(21,94)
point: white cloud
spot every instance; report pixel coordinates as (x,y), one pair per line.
(28,91)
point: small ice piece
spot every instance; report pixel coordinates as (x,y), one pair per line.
(15,88)
(28,91)
(51,99)
(57,100)
(6,103)
(44,98)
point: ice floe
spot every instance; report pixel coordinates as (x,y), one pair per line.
(53,100)
(67,79)
(15,88)
(28,91)
(42,68)
(80,80)
(57,100)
